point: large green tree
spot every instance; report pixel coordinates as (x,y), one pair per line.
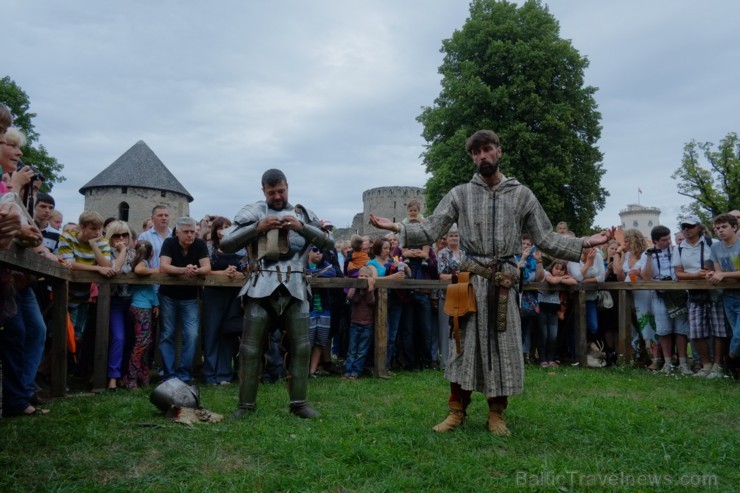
(508,70)
(714,189)
(34,153)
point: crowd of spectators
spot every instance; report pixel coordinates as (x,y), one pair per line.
(195,331)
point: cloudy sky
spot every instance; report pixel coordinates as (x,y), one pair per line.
(329,91)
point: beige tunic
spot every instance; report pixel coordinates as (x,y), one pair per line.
(491,224)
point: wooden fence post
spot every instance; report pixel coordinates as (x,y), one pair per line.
(580,328)
(624,334)
(59,316)
(381,332)
(100,361)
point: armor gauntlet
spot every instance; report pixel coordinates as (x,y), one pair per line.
(317,236)
(238,236)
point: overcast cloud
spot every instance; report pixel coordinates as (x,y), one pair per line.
(329,91)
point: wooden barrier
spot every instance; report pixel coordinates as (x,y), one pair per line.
(60,276)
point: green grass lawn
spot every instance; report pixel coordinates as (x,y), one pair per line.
(573,430)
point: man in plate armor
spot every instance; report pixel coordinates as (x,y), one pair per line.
(278,237)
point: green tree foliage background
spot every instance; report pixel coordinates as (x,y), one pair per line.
(33,153)
(508,70)
(714,189)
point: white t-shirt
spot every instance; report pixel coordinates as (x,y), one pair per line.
(692,258)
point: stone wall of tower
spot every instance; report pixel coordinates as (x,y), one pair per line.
(388,202)
(108,201)
(639,217)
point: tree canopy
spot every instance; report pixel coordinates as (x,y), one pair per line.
(35,154)
(508,70)
(715,189)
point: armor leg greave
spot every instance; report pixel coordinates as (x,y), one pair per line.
(256,322)
(296,324)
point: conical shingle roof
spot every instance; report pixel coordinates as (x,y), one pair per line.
(138,167)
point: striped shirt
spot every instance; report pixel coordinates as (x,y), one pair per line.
(72,250)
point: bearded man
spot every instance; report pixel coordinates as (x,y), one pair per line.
(492,212)
(278,237)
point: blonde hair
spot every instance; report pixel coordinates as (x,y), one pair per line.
(90,218)
(117,227)
(13,135)
(638,244)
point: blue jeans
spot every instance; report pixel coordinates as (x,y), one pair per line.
(732,311)
(219,349)
(118,318)
(78,313)
(359,344)
(592,317)
(548,321)
(21,349)
(395,309)
(173,311)
(416,332)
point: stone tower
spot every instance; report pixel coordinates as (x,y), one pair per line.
(129,188)
(388,202)
(639,217)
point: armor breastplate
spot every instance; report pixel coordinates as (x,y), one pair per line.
(285,264)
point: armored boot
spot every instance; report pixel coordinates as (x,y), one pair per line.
(243,410)
(250,354)
(296,325)
(496,423)
(453,420)
(303,410)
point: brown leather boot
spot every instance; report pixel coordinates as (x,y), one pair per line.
(453,420)
(496,423)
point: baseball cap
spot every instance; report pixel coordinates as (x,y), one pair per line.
(692,220)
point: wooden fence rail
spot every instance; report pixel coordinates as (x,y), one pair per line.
(60,276)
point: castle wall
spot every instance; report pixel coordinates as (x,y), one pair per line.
(387,202)
(107,201)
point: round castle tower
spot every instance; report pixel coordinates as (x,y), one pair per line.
(388,202)
(639,217)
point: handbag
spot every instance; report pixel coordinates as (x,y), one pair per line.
(530,305)
(459,302)
(234,318)
(604,300)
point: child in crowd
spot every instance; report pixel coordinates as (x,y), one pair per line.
(85,249)
(144,307)
(358,258)
(56,219)
(361,326)
(726,259)
(122,255)
(413,211)
(320,314)
(549,306)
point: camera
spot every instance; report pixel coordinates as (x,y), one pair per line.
(37,174)
(652,251)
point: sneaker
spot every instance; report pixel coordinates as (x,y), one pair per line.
(717,372)
(685,369)
(313,375)
(552,364)
(544,364)
(703,373)
(667,368)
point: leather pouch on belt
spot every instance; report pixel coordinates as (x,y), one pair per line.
(273,244)
(504,283)
(459,302)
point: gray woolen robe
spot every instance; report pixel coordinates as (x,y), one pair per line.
(491,224)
